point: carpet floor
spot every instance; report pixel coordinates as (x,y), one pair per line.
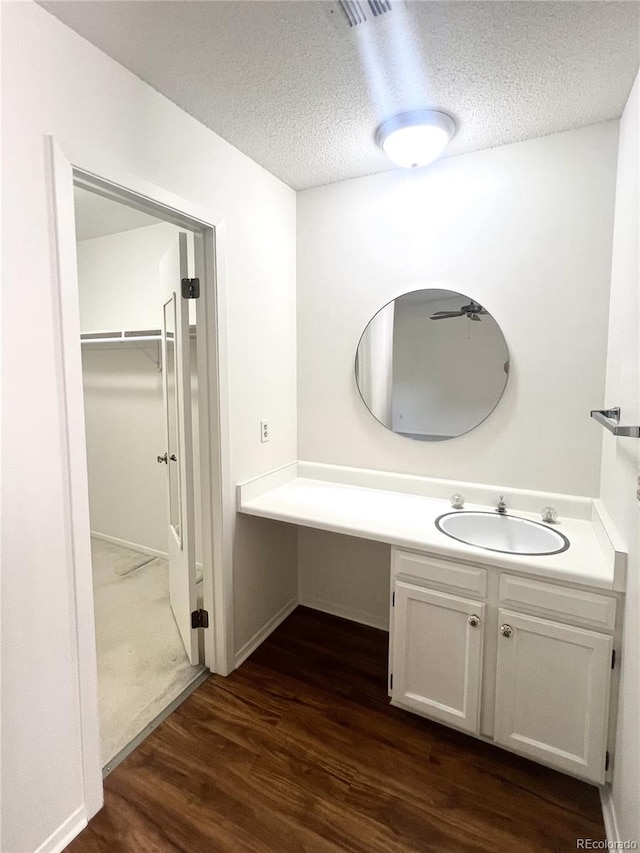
(142,665)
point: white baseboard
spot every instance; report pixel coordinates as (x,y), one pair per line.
(144,549)
(370,619)
(609,814)
(64,834)
(261,635)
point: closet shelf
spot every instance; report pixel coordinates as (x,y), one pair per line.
(121,336)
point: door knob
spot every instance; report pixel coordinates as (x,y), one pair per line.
(506,630)
(163,459)
(474,621)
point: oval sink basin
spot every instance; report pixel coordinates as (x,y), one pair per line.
(506,533)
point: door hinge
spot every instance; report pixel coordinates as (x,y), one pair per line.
(613,659)
(199,619)
(191,288)
(391,681)
(606,760)
(393,600)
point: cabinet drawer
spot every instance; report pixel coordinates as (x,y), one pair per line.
(560,603)
(453,576)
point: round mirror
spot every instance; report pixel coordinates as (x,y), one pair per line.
(432,364)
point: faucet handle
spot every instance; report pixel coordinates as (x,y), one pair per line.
(457,501)
(502,507)
(549,514)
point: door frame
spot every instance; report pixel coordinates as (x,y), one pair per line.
(217,492)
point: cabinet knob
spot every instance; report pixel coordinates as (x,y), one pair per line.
(506,630)
(474,621)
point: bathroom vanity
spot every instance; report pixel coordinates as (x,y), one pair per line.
(515,649)
(526,663)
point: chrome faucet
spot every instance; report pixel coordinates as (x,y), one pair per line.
(502,507)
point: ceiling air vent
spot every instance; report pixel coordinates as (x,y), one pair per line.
(358,12)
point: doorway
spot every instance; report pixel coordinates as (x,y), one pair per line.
(217,493)
(139,365)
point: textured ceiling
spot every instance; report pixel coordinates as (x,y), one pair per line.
(290,85)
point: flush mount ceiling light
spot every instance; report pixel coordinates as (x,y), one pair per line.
(416,138)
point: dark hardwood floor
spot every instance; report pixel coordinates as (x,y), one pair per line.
(299,750)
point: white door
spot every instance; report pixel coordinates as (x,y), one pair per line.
(176,364)
(552,693)
(437,655)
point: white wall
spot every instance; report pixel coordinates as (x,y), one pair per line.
(125,432)
(524,229)
(123,281)
(56,83)
(345,576)
(621,457)
(119,278)
(124,419)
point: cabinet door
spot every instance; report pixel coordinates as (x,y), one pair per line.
(552,693)
(437,655)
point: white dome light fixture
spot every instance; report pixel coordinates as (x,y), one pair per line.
(416,138)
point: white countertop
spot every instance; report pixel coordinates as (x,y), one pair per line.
(408,521)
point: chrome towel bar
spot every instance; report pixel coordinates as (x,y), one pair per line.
(610,419)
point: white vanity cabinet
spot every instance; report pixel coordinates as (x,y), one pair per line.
(532,659)
(437,657)
(552,693)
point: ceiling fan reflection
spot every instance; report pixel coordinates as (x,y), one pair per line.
(472,311)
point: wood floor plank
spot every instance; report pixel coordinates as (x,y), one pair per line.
(300,750)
